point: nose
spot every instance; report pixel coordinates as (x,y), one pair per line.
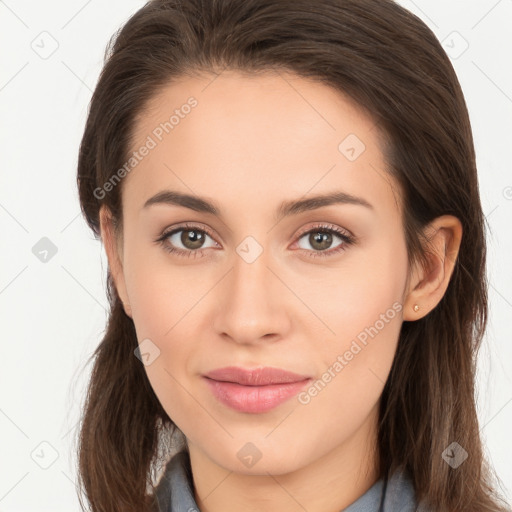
(252,303)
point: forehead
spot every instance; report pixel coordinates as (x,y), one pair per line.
(268,136)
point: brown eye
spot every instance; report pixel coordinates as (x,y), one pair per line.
(321,240)
(186,241)
(192,238)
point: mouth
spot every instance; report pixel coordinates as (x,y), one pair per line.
(254,391)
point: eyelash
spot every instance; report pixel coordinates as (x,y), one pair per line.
(322,228)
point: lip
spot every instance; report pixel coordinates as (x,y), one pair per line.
(254,390)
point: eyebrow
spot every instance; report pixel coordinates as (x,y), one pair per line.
(286,208)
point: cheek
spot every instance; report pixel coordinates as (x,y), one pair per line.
(363,312)
(365,290)
(163,308)
(354,365)
(161,293)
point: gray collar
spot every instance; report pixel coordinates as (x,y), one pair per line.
(175,491)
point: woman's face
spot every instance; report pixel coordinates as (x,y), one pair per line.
(249,286)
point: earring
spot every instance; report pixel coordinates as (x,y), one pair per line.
(416,307)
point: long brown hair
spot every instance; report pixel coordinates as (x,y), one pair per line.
(392,65)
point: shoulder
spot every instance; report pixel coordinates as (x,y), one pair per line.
(400,495)
(174,491)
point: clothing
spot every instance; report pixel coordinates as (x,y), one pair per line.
(175,491)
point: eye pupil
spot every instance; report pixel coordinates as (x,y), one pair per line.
(322,238)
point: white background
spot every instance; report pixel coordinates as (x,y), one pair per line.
(53,314)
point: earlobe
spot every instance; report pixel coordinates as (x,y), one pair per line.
(429,284)
(114,256)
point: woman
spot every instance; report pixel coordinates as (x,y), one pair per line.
(288,198)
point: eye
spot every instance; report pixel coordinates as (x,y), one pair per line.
(321,238)
(190,237)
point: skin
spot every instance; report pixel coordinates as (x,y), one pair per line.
(251,143)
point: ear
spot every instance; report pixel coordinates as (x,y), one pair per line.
(114,250)
(427,286)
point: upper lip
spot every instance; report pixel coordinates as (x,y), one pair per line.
(256,376)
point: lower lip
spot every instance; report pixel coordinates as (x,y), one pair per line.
(254,399)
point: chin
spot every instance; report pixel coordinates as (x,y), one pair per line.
(249,458)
